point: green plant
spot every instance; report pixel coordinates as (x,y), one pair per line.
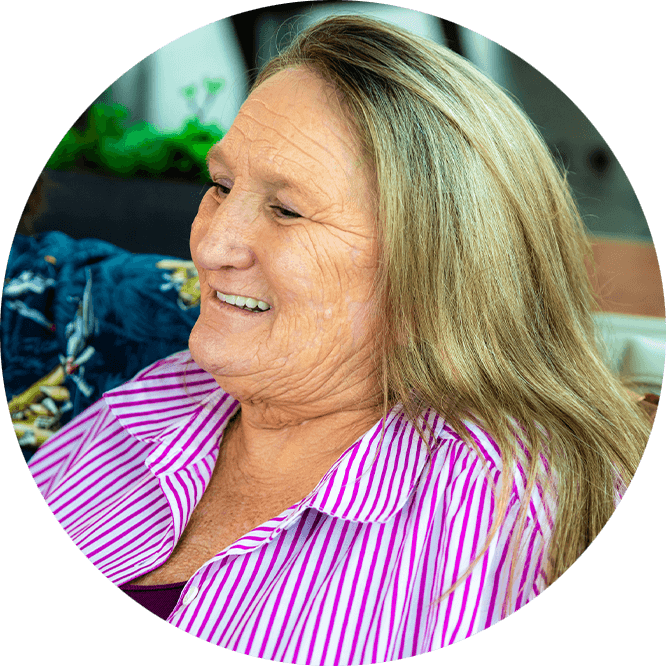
(111,145)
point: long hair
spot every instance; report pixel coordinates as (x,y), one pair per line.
(483,292)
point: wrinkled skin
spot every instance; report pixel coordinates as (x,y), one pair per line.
(289,152)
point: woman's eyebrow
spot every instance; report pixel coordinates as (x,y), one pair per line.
(215,153)
(270,175)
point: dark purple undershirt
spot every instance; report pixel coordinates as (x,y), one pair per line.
(158,599)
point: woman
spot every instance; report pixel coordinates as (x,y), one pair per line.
(393,427)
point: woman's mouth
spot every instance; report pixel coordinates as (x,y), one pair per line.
(244,302)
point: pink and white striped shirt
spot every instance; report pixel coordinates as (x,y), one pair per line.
(351,574)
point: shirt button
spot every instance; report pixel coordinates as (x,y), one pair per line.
(191,595)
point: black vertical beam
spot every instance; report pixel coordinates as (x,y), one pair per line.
(452,34)
(248,30)
(245,25)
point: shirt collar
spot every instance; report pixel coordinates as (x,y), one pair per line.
(374,478)
(175,406)
(181,410)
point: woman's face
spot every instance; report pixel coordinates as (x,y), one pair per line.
(290,224)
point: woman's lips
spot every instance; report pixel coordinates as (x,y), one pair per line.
(249,302)
(222,306)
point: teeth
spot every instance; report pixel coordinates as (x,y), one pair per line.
(243,302)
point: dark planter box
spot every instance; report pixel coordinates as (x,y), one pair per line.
(141,215)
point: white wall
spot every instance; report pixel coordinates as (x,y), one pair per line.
(152,89)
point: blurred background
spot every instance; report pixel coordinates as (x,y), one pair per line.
(130,171)
(186,94)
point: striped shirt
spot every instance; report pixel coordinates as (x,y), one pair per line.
(354,573)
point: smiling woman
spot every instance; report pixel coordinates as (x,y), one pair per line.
(290,222)
(393,427)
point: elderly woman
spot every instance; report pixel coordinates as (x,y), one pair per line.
(393,426)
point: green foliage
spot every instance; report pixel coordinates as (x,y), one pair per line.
(111,145)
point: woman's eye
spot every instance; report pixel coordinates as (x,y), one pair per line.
(220,189)
(283,212)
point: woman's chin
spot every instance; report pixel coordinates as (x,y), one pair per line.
(209,352)
(231,367)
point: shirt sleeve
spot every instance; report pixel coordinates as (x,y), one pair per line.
(56,457)
(59,453)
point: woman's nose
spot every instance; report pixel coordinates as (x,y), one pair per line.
(216,253)
(225,238)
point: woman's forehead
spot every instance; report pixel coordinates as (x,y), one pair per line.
(290,120)
(297,105)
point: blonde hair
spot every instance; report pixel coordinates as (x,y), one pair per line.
(485,299)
